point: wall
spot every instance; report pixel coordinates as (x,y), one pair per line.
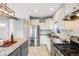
(72,25)
(18,28)
(26,29)
(4,31)
(59,15)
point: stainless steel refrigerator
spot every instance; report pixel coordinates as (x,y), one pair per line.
(34,35)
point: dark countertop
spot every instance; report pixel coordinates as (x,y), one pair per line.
(68,50)
(57,46)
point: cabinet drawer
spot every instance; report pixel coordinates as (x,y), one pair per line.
(24,49)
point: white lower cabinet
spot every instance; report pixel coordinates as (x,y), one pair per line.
(52,49)
(57,52)
(20,51)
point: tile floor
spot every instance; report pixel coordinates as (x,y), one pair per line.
(38,51)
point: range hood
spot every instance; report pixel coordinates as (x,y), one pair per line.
(74,16)
(67,18)
(11,17)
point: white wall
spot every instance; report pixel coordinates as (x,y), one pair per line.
(4,31)
(18,28)
(72,25)
(59,16)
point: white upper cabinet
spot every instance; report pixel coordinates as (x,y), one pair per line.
(71,7)
(6,10)
(34,21)
(77,6)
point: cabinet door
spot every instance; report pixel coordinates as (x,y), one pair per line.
(69,8)
(15,53)
(52,50)
(55,52)
(18,54)
(24,49)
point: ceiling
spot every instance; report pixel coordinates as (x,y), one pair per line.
(33,9)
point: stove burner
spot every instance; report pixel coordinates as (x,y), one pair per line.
(68,50)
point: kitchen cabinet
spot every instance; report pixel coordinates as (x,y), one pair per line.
(16,52)
(6,10)
(24,49)
(71,7)
(20,51)
(52,49)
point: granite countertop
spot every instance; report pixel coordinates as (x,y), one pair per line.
(5,51)
(57,46)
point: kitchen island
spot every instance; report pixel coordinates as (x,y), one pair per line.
(18,49)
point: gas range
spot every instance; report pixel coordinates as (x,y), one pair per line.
(68,50)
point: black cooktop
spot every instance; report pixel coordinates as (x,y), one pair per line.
(68,50)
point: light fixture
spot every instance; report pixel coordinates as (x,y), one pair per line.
(2,25)
(68,18)
(36,10)
(51,9)
(77,14)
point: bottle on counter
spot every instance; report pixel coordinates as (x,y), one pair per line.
(12,39)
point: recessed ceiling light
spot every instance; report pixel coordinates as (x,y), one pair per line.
(51,9)
(36,11)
